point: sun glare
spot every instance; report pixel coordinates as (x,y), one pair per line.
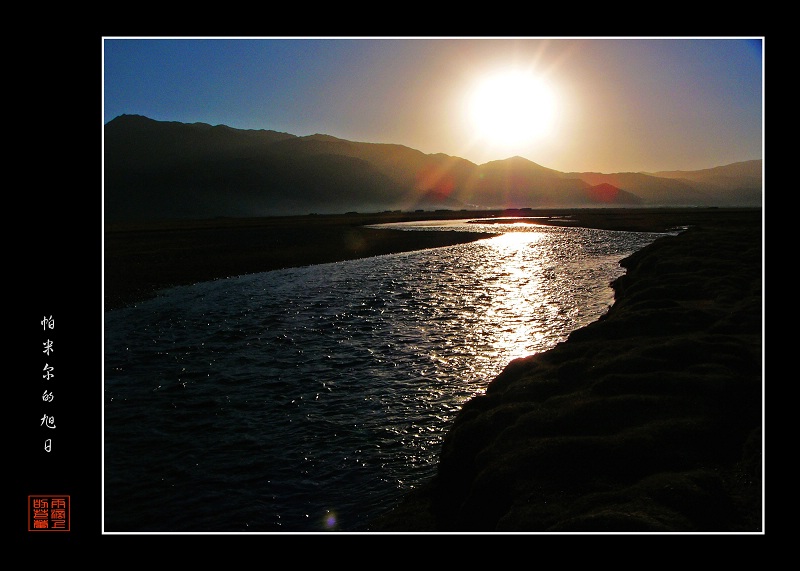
(512,108)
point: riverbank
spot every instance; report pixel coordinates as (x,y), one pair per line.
(648,420)
(141,259)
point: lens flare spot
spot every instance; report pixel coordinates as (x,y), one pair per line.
(330,521)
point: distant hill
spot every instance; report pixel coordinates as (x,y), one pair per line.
(165,169)
(651,190)
(737,183)
(520,183)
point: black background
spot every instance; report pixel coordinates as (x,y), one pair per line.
(54,268)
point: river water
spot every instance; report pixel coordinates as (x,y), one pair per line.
(309,400)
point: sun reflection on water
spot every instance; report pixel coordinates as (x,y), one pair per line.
(517,292)
(339,381)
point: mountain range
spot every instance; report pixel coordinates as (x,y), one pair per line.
(166,169)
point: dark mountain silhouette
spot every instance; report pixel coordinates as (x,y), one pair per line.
(166,169)
(424,178)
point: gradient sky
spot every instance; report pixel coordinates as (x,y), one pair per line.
(620,104)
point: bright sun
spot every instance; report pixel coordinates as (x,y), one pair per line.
(512,108)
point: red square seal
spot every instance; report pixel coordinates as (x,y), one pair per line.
(48,513)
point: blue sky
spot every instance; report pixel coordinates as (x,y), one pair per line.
(615,104)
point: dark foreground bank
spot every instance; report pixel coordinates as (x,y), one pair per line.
(648,420)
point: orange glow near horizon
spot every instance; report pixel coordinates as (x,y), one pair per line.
(435,179)
(603,193)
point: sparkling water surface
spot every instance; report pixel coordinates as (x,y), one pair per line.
(312,399)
